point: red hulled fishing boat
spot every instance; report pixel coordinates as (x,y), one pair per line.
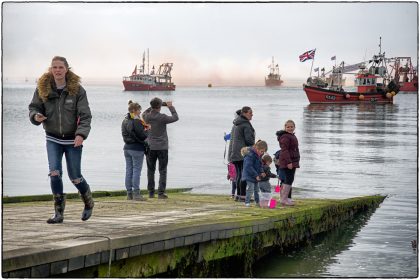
(405,74)
(373,83)
(159,80)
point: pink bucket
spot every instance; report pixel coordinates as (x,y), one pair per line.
(273,203)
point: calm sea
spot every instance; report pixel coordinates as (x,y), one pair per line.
(346,151)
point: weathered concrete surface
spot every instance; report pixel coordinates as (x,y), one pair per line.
(33,248)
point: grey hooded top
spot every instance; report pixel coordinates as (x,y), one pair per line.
(243,135)
(158,137)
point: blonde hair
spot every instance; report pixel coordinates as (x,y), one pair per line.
(289,121)
(267,158)
(261,145)
(133,106)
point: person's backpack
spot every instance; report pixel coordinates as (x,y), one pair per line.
(276,158)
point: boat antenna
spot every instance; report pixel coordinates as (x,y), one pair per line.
(380,39)
(147,61)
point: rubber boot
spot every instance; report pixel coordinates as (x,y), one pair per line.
(59,205)
(137,196)
(130,195)
(284,195)
(88,200)
(289,197)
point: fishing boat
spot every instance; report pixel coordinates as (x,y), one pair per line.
(404,74)
(373,83)
(274,78)
(140,80)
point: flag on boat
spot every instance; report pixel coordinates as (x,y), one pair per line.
(333,58)
(307,55)
(135,71)
(316,69)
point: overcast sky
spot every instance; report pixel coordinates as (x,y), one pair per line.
(207,42)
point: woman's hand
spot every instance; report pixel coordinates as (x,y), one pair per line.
(40,117)
(290,166)
(78,141)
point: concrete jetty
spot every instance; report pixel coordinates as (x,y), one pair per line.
(186,235)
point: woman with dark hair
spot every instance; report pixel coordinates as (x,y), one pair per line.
(243,135)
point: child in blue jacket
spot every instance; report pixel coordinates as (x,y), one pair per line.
(252,170)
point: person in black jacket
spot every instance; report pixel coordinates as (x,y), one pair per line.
(243,135)
(134,132)
(61,105)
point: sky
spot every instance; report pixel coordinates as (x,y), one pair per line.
(218,43)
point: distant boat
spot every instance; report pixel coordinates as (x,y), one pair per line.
(209,85)
(405,74)
(139,80)
(274,78)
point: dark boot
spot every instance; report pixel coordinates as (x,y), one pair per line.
(88,200)
(137,196)
(130,195)
(59,205)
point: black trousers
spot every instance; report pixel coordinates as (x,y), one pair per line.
(151,158)
(240,185)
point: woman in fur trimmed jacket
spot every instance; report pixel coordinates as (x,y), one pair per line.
(61,105)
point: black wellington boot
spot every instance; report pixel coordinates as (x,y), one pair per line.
(88,200)
(59,205)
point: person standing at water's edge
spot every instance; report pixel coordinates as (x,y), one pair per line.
(243,136)
(289,160)
(134,132)
(158,142)
(61,105)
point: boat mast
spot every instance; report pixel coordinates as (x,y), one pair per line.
(147,61)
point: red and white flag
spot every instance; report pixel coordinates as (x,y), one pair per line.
(307,55)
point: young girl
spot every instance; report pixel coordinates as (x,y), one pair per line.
(134,132)
(231,176)
(289,160)
(252,171)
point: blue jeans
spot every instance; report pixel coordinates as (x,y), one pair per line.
(133,165)
(252,187)
(73,155)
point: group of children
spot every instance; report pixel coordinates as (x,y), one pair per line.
(257,172)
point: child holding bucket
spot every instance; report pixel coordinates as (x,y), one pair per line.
(289,160)
(264,184)
(252,170)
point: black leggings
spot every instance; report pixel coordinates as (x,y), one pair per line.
(289,175)
(240,185)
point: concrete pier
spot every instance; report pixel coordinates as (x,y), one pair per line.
(184,236)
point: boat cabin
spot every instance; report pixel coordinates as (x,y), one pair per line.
(366,82)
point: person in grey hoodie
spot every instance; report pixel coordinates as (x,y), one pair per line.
(243,135)
(158,143)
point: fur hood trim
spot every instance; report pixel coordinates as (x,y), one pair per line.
(245,151)
(46,83)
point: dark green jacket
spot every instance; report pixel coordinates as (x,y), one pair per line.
(67,114)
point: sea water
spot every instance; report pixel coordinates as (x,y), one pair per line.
(346,151)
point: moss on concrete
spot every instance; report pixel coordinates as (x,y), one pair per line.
(234,256)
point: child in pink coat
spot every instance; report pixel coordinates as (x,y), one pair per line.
(231,176)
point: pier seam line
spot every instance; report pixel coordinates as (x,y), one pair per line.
(109,248)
